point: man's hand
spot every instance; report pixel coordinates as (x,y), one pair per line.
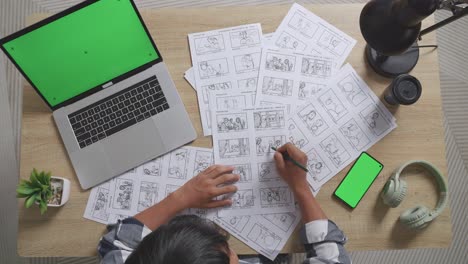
(199,192)
(294,176)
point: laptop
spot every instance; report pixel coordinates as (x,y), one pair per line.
(113,99)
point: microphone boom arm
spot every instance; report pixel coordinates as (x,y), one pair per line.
(459,9)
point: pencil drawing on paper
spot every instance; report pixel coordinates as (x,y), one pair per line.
(316,67)
(375,119)
(213,68)
(178,162)
(249,84)
(203,159)
(231,122)
(234,148)
(287,41)
(99,209)
(264,238)
(333,43)
(237,222)
(308,90)
(296,136)
(132,171)
(351,89)
(148,195)
(264,144)
(214,87)
(244,171)
(267,172)
(113,218)
(275,196)
(354,134)
(277,86)
(280,62)
(209,44)
(247,62)
(170,188)
(123,194)
(153,167)
(271,119)
(335,150)
(242,199)
(312,120)
(230,102)
(318,169)
(302,25)
(244,38)
(283,221)
(333,105)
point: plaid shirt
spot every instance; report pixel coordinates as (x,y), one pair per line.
(323,242)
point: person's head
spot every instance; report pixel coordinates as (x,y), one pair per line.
(186,239)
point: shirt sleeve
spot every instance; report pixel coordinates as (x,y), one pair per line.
(120,240)
(324,243)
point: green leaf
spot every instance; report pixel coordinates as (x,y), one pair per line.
(48,176)
(20,195)
(26,190)
(43,207)
(30,201)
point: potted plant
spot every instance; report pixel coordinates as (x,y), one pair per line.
(44,190)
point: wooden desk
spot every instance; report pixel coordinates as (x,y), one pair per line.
(371,226)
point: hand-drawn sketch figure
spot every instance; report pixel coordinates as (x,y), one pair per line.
(283,221)
(265,143)
(308,90)
(312,119)
(171,188)
(231,102)
(316,67)
(318,169)
(351,89)
(333,43)
(303,25)
(210,44)
(275,196)
(335,150)
(249,84)
(237,222)
(333,105)
(148,195)
(123,194)
(178,161)
(213,68)
(267,172)
(233,148)
(354,134)
(203,159)
(242,199)
(375,119)
(153,167)
(296,136)
(214,87)
(99,209)
(287,41)
(244,171)
(277,86)
(231,122)
(244,38)
(280,62)
(272,119)
(264,238)
(247,62)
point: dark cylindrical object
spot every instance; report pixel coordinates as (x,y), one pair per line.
(404,89)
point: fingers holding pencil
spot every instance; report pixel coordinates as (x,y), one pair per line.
(289,171)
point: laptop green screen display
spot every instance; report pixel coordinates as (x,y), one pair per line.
(83,49)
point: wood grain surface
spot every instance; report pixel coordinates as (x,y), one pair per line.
(371,226)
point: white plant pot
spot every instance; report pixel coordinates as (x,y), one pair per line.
(65,192)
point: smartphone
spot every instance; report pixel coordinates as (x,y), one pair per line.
(358,180)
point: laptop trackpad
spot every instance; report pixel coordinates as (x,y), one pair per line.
(139,143)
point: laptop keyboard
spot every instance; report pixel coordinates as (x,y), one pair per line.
(118,111)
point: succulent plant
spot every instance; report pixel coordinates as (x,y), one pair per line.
(37,189)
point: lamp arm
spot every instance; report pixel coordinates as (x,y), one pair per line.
(453,6)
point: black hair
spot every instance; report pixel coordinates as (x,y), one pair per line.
(186,239)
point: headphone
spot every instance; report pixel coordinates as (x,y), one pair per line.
(395,189)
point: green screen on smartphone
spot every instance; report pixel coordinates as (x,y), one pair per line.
(358,180)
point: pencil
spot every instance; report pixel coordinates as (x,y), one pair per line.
(287,157)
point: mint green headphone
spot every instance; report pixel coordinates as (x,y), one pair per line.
(395,189)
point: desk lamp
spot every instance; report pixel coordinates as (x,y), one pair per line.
(391,29)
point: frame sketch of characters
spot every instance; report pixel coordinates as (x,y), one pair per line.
(270,119)
(99,209)
(334,107)
(275,196)
(316,67)
(265,143)
(283,221)
(312,120)
(244,38)
(267,172)
(335,150)
(234,148)
(264,238)
(242,199)
(237,222)
(296,136)
(244,171)
(123,194)
(375,120)
(280,62)
(249,84)
(203,159)
(148,195)
(308,90)
(355,135)
(333,43)
(170,188)
(231,122)
(247,62)
(209,44)
(231,102)
(153,167)
(317,167)
(303,25)
(213,68)
(277,86)
(287,41)
(214,87)
(178,162)
(350,87)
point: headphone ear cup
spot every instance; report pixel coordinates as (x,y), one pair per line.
(415,218)
(400,194)
(388,192)
(394,192)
